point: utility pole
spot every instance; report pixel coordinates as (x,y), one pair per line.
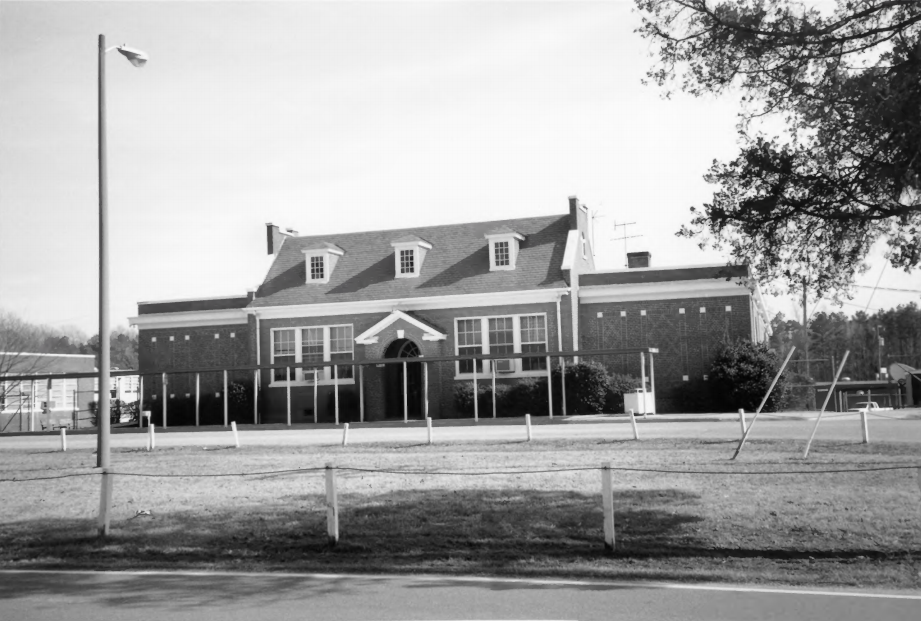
(805,331)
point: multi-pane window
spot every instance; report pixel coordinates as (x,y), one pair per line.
(501,252)
(317,271)
(305,348)
(340,348)
(533,338)
(283,352)
(503,335)
(407,261)
(469,342)
(502,341)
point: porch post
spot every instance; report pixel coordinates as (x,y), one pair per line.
(256,397)
(197,388)
(549,388)
(315,387)
(652,377)
(32,406)
(405,397)
(643,379)
(225,397)
(493,366)
(476,400)
(336,391)
(165,399)
(563,382)
(425,379)
(288,381)
(140,403)
(361,393)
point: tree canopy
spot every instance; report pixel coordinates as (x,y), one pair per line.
(803,208)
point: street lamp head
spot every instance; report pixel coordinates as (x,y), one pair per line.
(134,56)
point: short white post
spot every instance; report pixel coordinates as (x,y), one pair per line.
(563,383)
(345,434)
(476,396)
(165,399)
(428,426)
(197,390)
(361,394)
(236,437)
(492,365)
(742,420)
(636,433)
(151,438)
(549,388)
(63,439)
(288,391)
(105,501)
(527,424)
(256,397)
(332,506)
(607,500)
(225,397)
(405,394)
(336,391)
(140,403)
(863,424)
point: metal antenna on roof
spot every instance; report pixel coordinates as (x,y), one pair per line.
(625,238)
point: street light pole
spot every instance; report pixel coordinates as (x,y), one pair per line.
(102,407)
(138,59)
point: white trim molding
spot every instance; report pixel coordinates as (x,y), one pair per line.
(470,300)
(369,336)
(569,255)
(670,290)
(190,319)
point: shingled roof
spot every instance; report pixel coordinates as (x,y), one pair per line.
(458,263)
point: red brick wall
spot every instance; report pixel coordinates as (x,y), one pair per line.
(686,342)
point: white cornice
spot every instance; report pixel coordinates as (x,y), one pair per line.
(369,336)
(190,319)
(472,300)
(675,289)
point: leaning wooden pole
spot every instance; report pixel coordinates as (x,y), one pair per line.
(763,401)
(831,390)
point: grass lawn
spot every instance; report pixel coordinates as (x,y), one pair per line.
(829,530)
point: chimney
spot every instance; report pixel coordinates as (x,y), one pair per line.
(573,213)
(275,237)
(638,259)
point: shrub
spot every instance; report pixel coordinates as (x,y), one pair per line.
(617,385)
(740,375)
(586,388)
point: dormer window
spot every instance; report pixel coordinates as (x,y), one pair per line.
(409,253)
(503,248)
(321,261)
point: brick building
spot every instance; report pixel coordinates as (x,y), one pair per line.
(512,286)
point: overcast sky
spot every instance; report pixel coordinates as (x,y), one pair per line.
(329,117)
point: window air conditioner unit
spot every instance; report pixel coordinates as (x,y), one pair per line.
(504,366)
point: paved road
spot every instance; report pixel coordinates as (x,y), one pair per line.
(839,428)
(96,596)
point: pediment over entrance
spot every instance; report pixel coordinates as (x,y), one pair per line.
(429,332)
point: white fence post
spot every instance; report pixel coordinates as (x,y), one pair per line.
(527,423)
(428,425)
(197,391)
(549,388)
(636,433)
(336,391)
(345,434)
(105,501)
(151,438)
(165,398)
(405,394)
(315,388)
(236,438)
(332,506)
(361,394)
(63,439)
(256,397)
(563,382)
(476,396)
(140,403)
(863,424)
(492,364)
(607,500)
(643,380)
(742,420)
(425,383)
(288,388)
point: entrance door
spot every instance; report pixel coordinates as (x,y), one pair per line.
(393,378)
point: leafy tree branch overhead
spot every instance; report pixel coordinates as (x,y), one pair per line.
(844,82)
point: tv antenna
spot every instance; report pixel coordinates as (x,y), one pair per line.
(625,238)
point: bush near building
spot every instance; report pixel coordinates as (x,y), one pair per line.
(741,374)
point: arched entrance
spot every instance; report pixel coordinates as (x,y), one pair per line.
(393,381)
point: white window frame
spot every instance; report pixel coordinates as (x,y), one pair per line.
(301,377)
(414,263)
(513,239)
(484,338)
(419,249)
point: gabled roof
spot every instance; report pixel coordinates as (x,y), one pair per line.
(457,264)
(429,332)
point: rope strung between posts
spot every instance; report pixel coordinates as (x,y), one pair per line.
(490,473)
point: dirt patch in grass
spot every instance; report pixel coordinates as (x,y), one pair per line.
(847,529)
